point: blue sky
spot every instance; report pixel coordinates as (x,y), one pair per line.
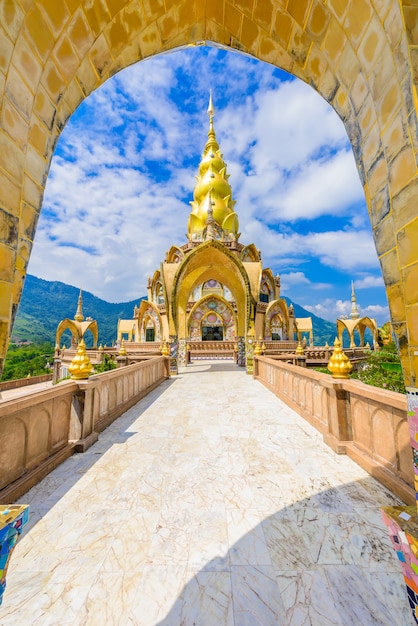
(124,171)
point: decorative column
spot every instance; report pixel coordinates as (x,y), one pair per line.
(174,350)
(12,519)
(402,521)
(249,349)
(241,351)
(182,353)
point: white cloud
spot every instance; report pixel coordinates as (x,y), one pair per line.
(369,281)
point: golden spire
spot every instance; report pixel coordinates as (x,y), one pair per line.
(79,317)
(354,308)
(212,179)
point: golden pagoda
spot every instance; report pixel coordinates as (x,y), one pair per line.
(212,288)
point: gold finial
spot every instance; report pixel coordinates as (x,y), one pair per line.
(81,366)
(101,347)
(211,108)
(257,349)
(79,313)
(165,349)
(354,308)
(326,345)
(122,349)
(299,350)
(339,364)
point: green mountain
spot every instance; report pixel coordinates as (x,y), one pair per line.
(44,304)
(323,331)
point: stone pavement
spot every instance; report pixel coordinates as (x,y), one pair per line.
(210,502)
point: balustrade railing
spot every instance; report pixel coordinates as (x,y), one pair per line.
(364,422)
(41,429)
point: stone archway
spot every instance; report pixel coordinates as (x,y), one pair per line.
(358,57)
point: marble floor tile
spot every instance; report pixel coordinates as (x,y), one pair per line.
(210,503)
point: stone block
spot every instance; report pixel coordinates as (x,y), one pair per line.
(66,58)
(299,9)
(233,19)
(246,6)
(406,243)
(11,18)
(80,34)
(384,237)
(404,204)
(380,206)
(390,268)
(100,55)
(39,137)
(53,82)
(249,34)
(97,15)
(38,33)
(11,156)
(412,322)
(18,93)
(55,14)
(334,41)
(402,169)
(263,13)
(6,51)
(9,195)
(357,18)
(149,40)
(15,125)
(282,28)
(44,108)
(395,296)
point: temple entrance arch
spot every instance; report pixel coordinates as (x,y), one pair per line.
(212,319)
(210,262)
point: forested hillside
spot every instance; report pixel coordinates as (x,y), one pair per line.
(44,304)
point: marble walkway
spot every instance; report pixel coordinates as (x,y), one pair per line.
(210,503)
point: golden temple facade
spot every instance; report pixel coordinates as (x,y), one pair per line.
(213,288)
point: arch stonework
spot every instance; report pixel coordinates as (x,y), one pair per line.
(361,57)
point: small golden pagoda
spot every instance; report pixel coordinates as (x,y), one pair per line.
(212,288)
(78,326)
(357,323)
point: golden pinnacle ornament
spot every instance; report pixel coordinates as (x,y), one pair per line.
(165,349)
(81,366)
(339,364)
(299,350)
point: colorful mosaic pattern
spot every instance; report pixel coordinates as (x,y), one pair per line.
(241,351)
(12,520)
(222,312)
(174,351)
(402,523)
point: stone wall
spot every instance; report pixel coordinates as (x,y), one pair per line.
(41,429)
(368,424)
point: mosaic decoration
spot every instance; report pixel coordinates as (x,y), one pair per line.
(174,351)
(182,353)
(402,524)
(216,307)
(402,521)
(241,351)
(12,520)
